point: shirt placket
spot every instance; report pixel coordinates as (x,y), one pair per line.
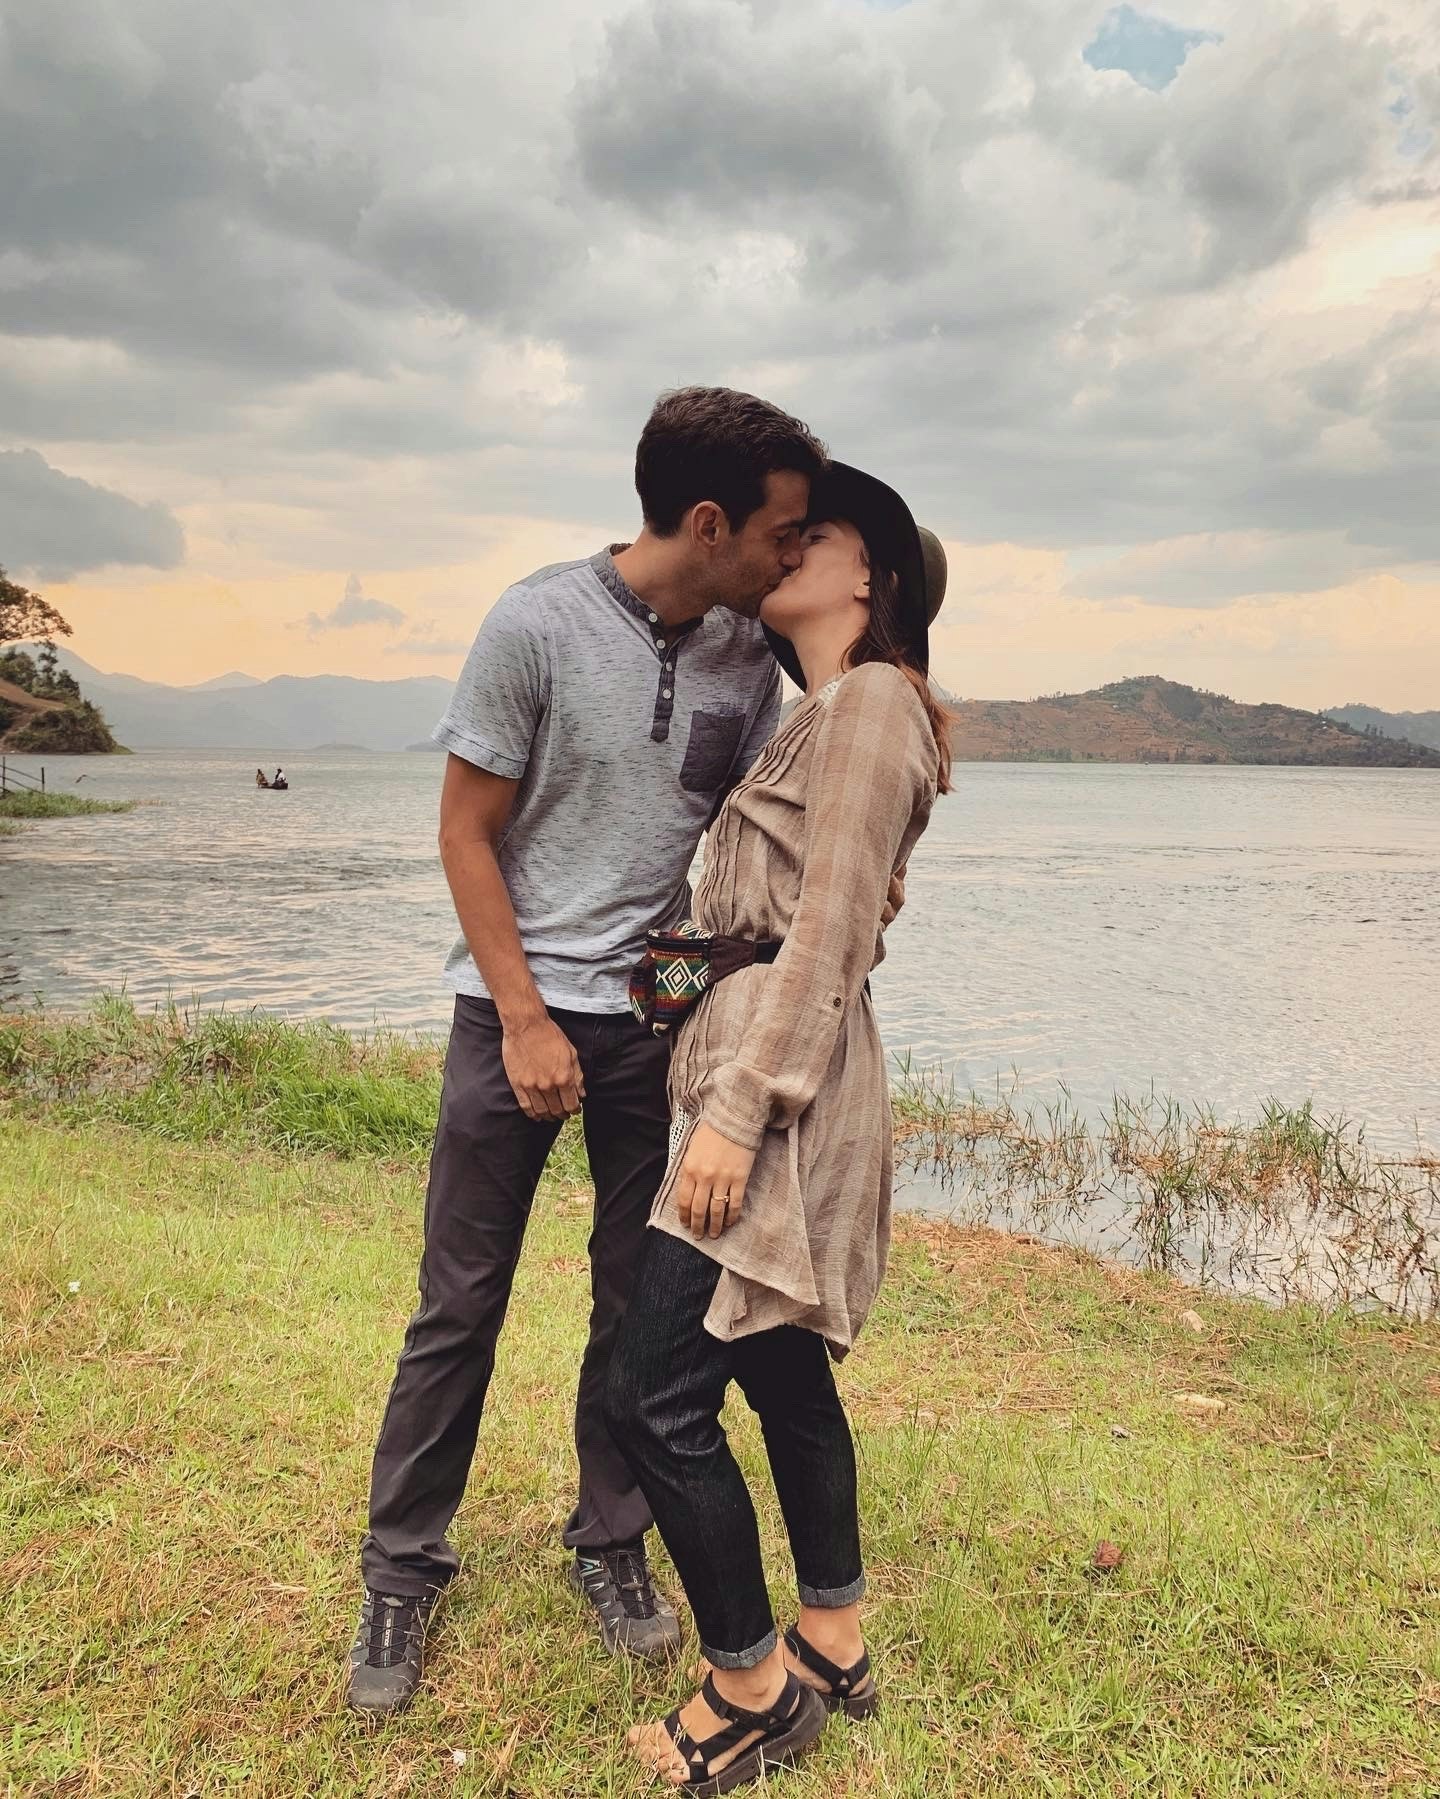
(667,640)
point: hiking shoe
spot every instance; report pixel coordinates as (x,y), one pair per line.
(387,1657)
(634,1619)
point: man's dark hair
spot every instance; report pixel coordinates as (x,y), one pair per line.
(714,443)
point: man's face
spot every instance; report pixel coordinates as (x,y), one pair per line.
(756,558)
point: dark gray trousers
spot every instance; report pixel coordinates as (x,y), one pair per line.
(484,1169)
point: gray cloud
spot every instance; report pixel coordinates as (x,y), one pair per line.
(356,608)
(58,526)
(1214,570)
(279,251)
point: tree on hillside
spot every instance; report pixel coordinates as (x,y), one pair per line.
(18,667)
(51,681)
(25,615)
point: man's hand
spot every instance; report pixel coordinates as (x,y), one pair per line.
(711,1193)
(542,1067)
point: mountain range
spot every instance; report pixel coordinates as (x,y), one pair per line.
(1417,727)
(1150,719)
(274,717)
(1145,719)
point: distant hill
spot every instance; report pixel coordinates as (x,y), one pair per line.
(1149,719)
(43,711)
(286,713)
(1417,727)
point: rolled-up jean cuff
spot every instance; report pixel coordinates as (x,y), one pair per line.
(830,1599)
(740,1658)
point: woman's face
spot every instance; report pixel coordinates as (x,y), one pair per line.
(831,581)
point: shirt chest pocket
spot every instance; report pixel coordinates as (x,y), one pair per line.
(710,754)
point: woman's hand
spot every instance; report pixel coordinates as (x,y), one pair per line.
(711,1193)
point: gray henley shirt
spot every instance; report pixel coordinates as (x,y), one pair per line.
(624,737)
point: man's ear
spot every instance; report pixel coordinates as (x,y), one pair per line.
(708,524)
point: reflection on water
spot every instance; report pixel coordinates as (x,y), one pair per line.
(1226,934)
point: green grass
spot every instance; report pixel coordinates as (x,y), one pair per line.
(9,828)
(30,804)
(199,1337)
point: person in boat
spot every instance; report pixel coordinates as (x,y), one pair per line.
(260,780)
(771,1227)
(279,780)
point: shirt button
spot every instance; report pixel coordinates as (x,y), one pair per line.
(668,694)
(654,618)
(659,643)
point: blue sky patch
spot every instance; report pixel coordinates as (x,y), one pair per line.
(1149,50)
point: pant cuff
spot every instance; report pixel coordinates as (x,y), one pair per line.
(741,1658)
(830,1599)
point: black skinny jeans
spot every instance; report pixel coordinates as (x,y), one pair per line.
(663,1397)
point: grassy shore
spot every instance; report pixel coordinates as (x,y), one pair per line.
(33,805)
(1288,1205)
(207,1265)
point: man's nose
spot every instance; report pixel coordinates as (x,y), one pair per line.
(791,557)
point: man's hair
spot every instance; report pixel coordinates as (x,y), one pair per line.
(714,443)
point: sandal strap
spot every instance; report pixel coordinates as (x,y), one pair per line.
(842,1681)
(741,1724)
(768,1721)
(698,1756)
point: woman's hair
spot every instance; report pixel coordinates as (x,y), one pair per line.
(883,640)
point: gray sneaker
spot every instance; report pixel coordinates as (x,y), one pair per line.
(387,1657)
(634,1619)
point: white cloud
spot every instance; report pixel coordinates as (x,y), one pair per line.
(355,608)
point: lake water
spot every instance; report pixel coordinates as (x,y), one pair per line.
(1223,934)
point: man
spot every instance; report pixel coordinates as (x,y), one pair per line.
(606,708)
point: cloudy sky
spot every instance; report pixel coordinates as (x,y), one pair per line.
(320,322)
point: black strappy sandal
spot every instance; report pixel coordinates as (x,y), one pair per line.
(852,1690)
(788,1729)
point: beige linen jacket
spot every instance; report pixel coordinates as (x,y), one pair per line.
(786,1059)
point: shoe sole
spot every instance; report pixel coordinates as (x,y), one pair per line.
(857,1710)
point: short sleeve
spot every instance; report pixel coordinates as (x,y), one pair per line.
(503,689)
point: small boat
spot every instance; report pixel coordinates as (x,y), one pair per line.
(278,785)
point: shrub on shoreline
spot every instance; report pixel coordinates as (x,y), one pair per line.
(31,804)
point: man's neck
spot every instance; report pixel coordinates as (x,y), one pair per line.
(652,571)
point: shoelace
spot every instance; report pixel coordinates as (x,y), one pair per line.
(632,1581)
(391,1622)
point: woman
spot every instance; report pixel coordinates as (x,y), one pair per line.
(772,1225)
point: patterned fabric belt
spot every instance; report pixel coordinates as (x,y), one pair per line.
(679,967)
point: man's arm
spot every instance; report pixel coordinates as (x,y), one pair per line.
(540,1061)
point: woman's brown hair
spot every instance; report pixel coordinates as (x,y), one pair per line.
(883,640)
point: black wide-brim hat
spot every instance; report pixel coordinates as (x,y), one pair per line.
(894,541)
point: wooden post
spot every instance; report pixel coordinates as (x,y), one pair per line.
(42,777)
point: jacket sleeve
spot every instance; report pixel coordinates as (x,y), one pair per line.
(874,768)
